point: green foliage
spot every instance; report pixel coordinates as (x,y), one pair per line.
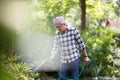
(7,38)
(99,11)
(98,44)
(116,42)
(13,70)
(42,23)
(57,7)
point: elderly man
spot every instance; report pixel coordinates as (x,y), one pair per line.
(69,41)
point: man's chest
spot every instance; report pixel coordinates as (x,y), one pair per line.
(66,38)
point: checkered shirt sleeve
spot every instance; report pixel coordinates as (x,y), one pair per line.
(79,40)
(55,46)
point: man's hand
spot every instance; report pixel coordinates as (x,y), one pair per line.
(86,59)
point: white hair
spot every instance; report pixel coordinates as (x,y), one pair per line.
(60,19)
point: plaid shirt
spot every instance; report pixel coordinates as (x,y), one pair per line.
(69,44)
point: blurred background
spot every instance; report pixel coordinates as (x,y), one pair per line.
(27,35)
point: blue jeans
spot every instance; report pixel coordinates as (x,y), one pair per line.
(71,69)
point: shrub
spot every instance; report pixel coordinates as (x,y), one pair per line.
(99,44)
(13,70)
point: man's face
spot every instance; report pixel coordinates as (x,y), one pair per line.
(60,27)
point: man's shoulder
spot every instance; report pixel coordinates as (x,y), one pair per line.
(57,32)
(71,28)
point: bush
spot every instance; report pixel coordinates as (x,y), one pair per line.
(8,38)
(13,70)
(99,44)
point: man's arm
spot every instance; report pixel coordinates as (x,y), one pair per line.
(81,44)
(55,48)
(79,40)
(86,59)
(85,53)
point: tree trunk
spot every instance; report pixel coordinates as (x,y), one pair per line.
(83,15)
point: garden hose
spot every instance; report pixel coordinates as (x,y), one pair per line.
(82,68)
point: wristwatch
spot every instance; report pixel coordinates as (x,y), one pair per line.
(85,56)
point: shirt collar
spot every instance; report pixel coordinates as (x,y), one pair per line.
(58,32)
